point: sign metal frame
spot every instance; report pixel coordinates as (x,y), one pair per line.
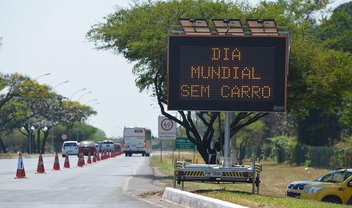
(279,44)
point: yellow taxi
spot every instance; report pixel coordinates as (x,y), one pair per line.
(334,187)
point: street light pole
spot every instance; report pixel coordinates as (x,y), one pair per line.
(52,119)
(35,79)
(77,92)
(89,101)
(61,83)
(84,95)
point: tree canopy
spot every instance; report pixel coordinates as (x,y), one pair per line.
(318,77)
(26,105)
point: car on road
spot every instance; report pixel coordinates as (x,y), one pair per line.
(87,147)
(107,146)
(98,145)
(70,148)
(117,148)
(334,187)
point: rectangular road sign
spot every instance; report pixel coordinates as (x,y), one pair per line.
(227,73)
(184,143)
(166,128)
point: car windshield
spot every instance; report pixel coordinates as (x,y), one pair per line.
(335,177)
(107,143)
(70,144)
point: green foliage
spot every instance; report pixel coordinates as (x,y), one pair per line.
(318,78)
(26,104)
(15,142)
(321,128)
(283,149)
(336,31)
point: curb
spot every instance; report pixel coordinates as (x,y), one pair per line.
(195,201)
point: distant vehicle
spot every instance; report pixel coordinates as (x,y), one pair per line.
(70,148)
(87,147)
(334,187)
(107,146)
(98,145)
(137,140)
(117,148)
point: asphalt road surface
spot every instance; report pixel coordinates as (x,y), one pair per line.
(114,182)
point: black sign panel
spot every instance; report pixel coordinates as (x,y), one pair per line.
(221,73)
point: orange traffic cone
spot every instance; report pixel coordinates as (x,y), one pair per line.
(98,156)
(104,155)
(89,161)
(80,162)
(67,162)
(40,168)
(56,165)
(20,173)
(94,158)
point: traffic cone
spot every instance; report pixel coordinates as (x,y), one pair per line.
(89,161)
(98,156)
(94,158)
(80,162)
(20,173)
(102,155)
(56,165)
(67,162)
(40,168)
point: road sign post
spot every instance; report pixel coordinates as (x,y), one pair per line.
(166,131)
(167,128)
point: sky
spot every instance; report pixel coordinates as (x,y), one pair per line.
(47,36)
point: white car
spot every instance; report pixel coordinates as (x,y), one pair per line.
(69,147)
(107,145)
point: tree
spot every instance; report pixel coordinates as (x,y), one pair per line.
(140,34)
(335,32)
(10,111)
(33,109)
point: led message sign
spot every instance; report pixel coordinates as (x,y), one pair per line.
(220,73)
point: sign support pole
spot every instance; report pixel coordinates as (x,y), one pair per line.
(161,151)
(227,137)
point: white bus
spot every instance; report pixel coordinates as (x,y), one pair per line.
(137,140)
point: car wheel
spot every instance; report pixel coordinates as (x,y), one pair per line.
(148,154)
(332,199)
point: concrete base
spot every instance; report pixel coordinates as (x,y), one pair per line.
(195,201)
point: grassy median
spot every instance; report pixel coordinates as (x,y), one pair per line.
(274,180)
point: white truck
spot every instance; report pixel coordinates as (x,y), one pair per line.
(137,140)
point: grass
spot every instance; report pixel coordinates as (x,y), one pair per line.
(274,180)
(10,155)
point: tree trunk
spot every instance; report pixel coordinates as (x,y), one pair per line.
(203,152)
(46,134)
(37,146)
(2,146)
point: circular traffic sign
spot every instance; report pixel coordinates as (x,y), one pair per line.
(167,124)
(64,137)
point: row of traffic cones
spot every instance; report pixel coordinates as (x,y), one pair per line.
(20,173)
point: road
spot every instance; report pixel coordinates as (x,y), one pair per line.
(114,182)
